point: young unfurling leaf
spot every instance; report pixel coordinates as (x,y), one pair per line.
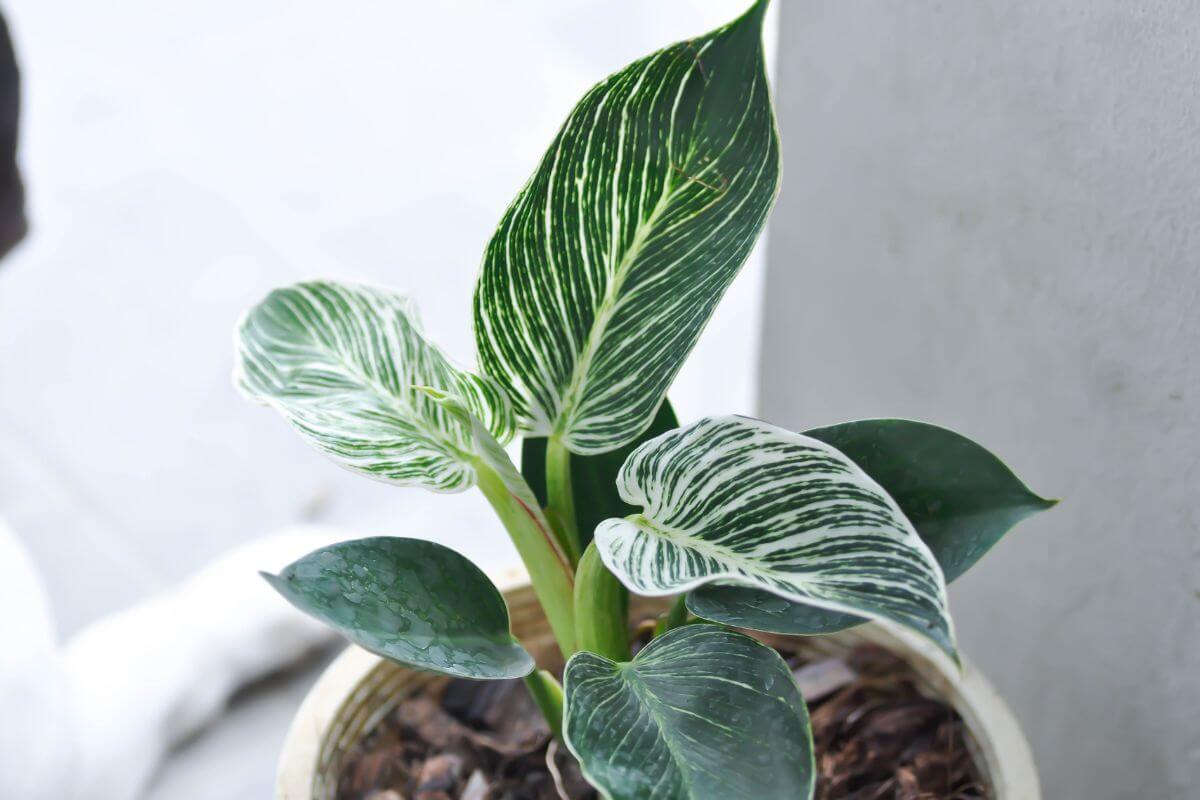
(343,364)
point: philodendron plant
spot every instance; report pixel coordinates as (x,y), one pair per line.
(593,290)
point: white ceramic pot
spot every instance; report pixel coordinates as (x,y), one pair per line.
(359,690)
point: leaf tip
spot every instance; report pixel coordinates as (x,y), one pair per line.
(756,13)
(277,582)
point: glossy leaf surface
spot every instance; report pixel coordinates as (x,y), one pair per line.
(605,269)
(959,496)
(736,500)
(702,713)
(409,600)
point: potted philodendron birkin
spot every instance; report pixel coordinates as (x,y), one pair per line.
(593,290)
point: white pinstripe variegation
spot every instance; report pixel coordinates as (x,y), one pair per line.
(737,500)
(343,364)
(609,263)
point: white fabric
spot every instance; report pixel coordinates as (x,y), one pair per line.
(92,720)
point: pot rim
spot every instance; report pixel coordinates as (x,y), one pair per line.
(1002,746)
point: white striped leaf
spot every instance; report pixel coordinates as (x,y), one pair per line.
(607,266)
(493,455)
(738,501)
(344,364)
(702,713)
(960,498)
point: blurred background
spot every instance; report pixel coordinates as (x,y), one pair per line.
(181,160)
(990,219)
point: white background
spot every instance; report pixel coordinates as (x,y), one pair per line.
(184,158)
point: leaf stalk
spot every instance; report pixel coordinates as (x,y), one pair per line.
(561,496)
(547,693)
(549,571)
(601,609)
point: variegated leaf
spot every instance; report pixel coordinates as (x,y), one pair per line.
(702,713)
(607,266)
(343,364)
(739,501)
(960,498)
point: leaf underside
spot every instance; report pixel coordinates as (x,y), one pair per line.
(702,713)
(960,498)
(735,500)
(412,601)
(343,364)
(605,269)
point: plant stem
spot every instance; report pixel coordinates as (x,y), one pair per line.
(561,495)
(548,694)
(549,571)
(676,617)
(601,609)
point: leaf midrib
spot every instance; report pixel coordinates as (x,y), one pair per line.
(604,313)
(611,300)
(631,678)
(400,403)
(683,538)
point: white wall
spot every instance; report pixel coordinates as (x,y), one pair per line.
(182,159)
(991,219)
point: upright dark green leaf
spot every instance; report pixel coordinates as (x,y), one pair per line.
(593,478)
(702,713)
(409,600)
(961,499)
(608,265)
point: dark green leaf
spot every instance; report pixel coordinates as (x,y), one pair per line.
(593,478)
(755,609)
(409,600)
(703,713)
(607,266)
(960,497)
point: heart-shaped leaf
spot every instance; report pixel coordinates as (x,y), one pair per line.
(961,499)
(342,363)
(702,713)
(609,263)
(735,500)
(412,601)
(593,478)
